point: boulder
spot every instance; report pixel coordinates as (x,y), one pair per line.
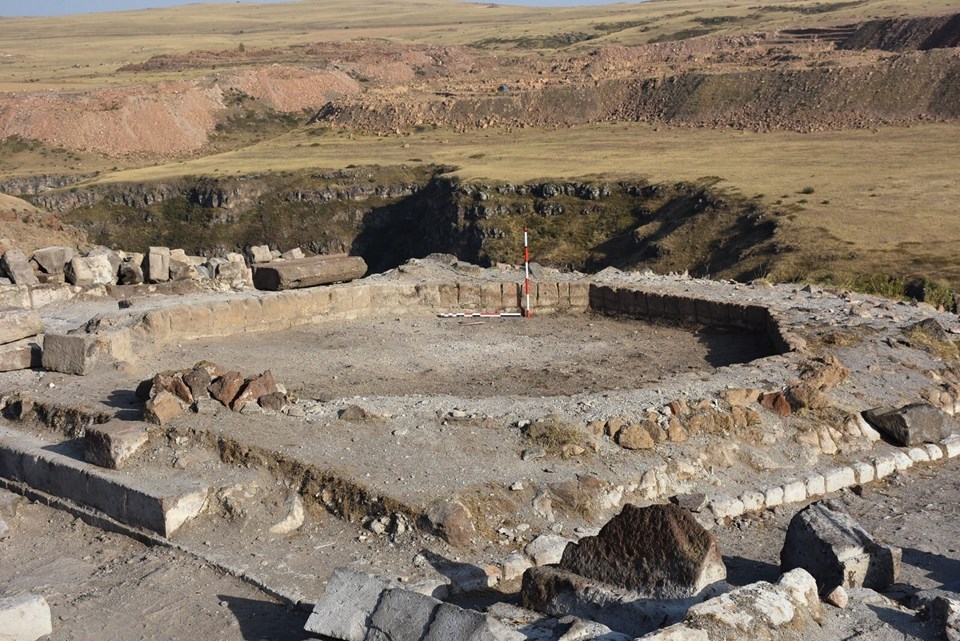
(547,549)
(198,380)
(53,260)
(15,265)
(452,521)
(113,443)
(253,389)
(776,402)
(235,273)
(24,618)
(292,254)
(90,271)
(308,272)
(837,551)
(17,324)
(183,269)
(130,273)
(163,408)
(112,256)
(226,387)
(659,551)
(912,424)
(157,265)
(635,437)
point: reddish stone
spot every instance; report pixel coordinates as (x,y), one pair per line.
(776,402)
(226,388)
(254,389)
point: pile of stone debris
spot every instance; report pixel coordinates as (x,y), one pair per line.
(652,573)
(205,388)
(103,266)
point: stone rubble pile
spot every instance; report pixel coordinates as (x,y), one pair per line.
(206,387)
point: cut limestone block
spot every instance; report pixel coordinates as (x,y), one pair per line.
(837,551)
(308,272)
(157,505)
(69,353)
(90,271)
(402,614)
(112,444)
(53,260)
(14,264)
(913,424)
(16,324)
(19,355)
(260,254)
(659,551)
(293,254)
(157,265)
(130,273)
(24,618)
(347,604)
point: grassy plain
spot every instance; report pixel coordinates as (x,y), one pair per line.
(887,198)
(84,51)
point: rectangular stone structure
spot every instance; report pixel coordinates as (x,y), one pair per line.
(113,443)
(16,324)
(69,353)
(308,272)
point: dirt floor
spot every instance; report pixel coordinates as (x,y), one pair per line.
(542,356)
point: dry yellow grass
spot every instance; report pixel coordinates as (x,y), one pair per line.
(887,196)
(85,50)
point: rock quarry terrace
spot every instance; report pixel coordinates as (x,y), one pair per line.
(319,441)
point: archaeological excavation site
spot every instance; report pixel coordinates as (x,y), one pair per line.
(378,320)
(415,454)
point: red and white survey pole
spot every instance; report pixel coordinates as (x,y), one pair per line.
(526,267)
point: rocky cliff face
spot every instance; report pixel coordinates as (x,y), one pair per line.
(388,215)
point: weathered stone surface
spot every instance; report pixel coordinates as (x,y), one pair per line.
(253,389)
(453,521)
(274,401)
(226,387)
(514,566)
(16,266)
(838,597)
(347,605)
(130,274)
(198,380)
(740,397)
(156,265)
(90,271)
(837,551)
(17,324)
(163,408)
(356,414)
(453,622)
(292,254)
(659,551)
(69,353)
(776,402)
(112,444)
(402,614)
(183,269)
(24,618)
(912,424)
(945,613)
(557,592)
(635,437)
(547,549)
(308,272)
(235,273)
(53,260)
(260,254)
(20,355)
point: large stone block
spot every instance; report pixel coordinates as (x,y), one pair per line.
(912,424)
(347,604)
(402,615)
(468,295)
(69,353)
(19,355)
(113,443)
(91,271)
(15,265)
(157,265)
(308,272)
(453,622)
(16,324)
(24,618)
(837,551)
(660,552)
(53,260)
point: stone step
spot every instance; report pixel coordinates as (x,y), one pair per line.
(158,505)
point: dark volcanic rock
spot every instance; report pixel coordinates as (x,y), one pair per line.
(912,424)
(660,551)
